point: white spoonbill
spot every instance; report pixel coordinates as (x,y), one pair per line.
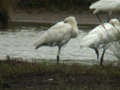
(105,6)
(59,34)
(101,37)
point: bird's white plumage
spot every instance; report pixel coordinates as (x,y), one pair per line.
(101,36)
(116,45)
(58,34)
(115,22)
(105,5)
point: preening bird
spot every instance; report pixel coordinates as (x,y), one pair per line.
(105,6)
(59,34)
(101,37)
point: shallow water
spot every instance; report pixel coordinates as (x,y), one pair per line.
(20,44)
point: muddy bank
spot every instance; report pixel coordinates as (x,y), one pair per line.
(18,74)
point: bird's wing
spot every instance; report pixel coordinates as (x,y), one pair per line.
(59,33)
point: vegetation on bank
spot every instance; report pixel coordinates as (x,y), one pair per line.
(16,74)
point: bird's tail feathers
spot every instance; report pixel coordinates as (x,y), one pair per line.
(38,44)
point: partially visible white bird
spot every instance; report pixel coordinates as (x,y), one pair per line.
(59,34)
(115,22)
(101,37)
(116,45)
(105,6)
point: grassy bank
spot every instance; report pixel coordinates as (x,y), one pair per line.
(17,74)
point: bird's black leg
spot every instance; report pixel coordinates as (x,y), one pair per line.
(102,57)
(58,54)
(97,53)
(58,58)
